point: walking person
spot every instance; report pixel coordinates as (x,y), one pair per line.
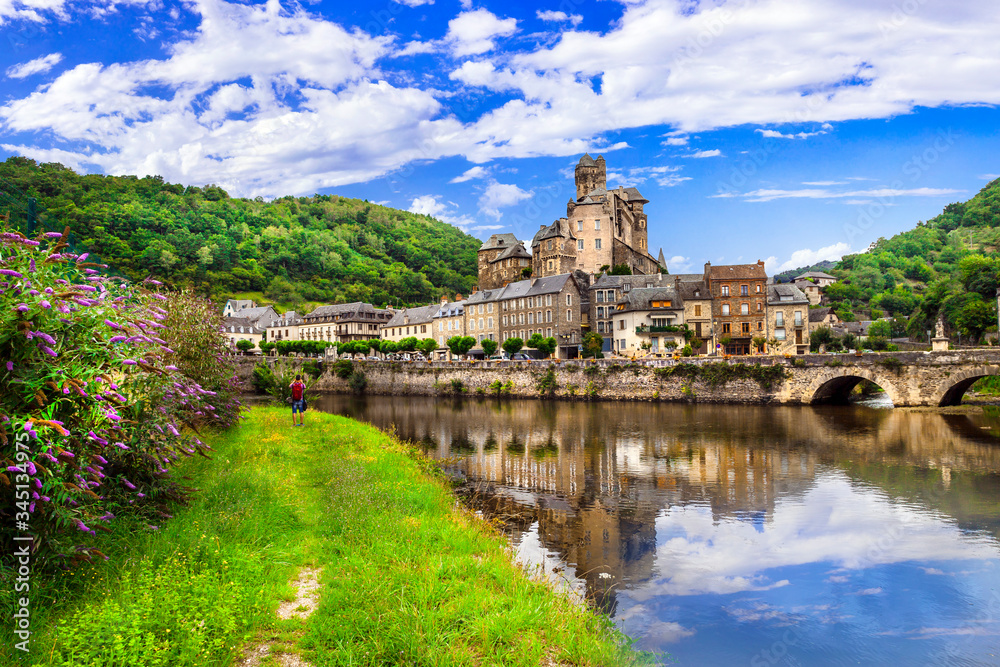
(298,400)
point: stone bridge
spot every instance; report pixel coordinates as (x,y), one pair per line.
(908,378)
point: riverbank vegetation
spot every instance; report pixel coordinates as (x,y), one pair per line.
(406,576)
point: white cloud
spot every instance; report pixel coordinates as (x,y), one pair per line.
(472,32)
(774,134)
(700,154)
(823,183)
(468,175)
(808,257)
(813,193)
(414,3)
(989,177)
(679,264)
(834,521)
(432,205)
(559,17)
(665,176)
(31,10)
(501,195)
(36,66)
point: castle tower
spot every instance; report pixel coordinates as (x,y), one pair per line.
(591,175)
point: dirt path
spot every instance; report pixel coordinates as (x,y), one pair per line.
(304,604)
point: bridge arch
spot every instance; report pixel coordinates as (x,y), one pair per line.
(835,386)
(953,388)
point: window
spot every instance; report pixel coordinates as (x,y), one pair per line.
(746,327)
(520,318)
(600,327)
(548,332)
(472,325)
(600,311)
(760,306)
(480,323)
(538,317)
(531,302)
(520,303)
(505,320)
(579,225)
(621,324)
(744,309)
(744,290)
(779,319)
(725,328)
(725,310)
(490,322)
(569,315)
(697,310)
(550,245)
(597,225)
(597,244)
(548,299)
(758,288)
(548,315)
(423,328)
(779,334)
(489,308)
(621,344)
(569,299)
(579,244)
(725,290)
(626,287)
(600,296)
(760,325)
(550,265)
(662,304)
(531,318)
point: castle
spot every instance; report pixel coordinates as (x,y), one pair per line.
(602,229)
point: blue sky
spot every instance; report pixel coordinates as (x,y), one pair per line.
(780,130)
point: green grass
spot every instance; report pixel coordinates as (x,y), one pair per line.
(407,576)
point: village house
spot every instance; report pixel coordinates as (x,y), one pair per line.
(344,322)
(812,284)
(822,317)
(648,321)
(548,306)
(481,316)
(787,319)
(697,300)
(604,294)
(415,322)
(739,295)
(286,327)
(241,328)
(449,320)
(259,316)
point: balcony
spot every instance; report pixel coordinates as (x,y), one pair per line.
(670,328)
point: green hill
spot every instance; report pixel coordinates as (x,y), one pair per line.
(949,265)
(291,251)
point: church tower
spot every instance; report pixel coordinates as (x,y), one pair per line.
(591,175)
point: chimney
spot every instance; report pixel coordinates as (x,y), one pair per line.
(444,299)
(458,296)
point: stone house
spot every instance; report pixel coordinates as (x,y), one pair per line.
(448,321)
(501,259)
(739,296)
(344,322)
(812,284)
(286,327)
(481,321)
(236,307)
(788,319)
(554,250)
(549,306)
(411,322)
(241,328)
(822,317)
(647,321)
(604,294)
(697,300)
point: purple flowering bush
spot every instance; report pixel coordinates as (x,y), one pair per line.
(94,403)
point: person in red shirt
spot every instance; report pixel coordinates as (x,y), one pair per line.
(298,400)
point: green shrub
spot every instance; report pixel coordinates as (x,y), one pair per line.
(547,383)
(343,368)
(358,382)
(312,368)
(457,386)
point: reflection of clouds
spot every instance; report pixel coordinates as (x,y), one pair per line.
(664,632)
(643,623)
(834,521)
(761,611)
(870,591)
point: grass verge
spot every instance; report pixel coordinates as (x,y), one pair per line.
(408,577)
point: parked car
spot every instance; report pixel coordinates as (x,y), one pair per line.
(372,357)
(521,356)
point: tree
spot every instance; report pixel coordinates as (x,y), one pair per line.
(513,345)
(621,270)
(593,344)
(759,342)
(266,347)
(244,345)
(535,340)
(526,272)
(975,317)
(544,345)
(460,345)
(489,346)
(426,346)
(408,344)
(821,336)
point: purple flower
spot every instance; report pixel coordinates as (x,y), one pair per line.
(9,272)
(101,459)
(44,336)
(128,362)
(118,339)
(22,308)
(83,257)
(31,507)
(10,365)
(120,445)
(49,290)
(31,265)
(169,368)
(53,235)
(14,469)
(81,526)
(45,304)
(31,468)
(49,351)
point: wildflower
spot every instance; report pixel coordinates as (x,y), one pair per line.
(31,265)
(22,308)
(49,351)
(44,336)
(52,235)
(128,362)
(118,339)
(45,304)
(83,257)
(12,273)
(10,365)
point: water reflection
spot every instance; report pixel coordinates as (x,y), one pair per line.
(728,534)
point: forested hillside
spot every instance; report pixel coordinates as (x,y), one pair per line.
(292,250)
(949,265)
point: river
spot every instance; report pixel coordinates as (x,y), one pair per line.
(742,535)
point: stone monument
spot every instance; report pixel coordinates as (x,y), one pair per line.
(940,342)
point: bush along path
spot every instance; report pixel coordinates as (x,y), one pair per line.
(326,545)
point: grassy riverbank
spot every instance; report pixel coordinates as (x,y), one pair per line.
(407,577)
